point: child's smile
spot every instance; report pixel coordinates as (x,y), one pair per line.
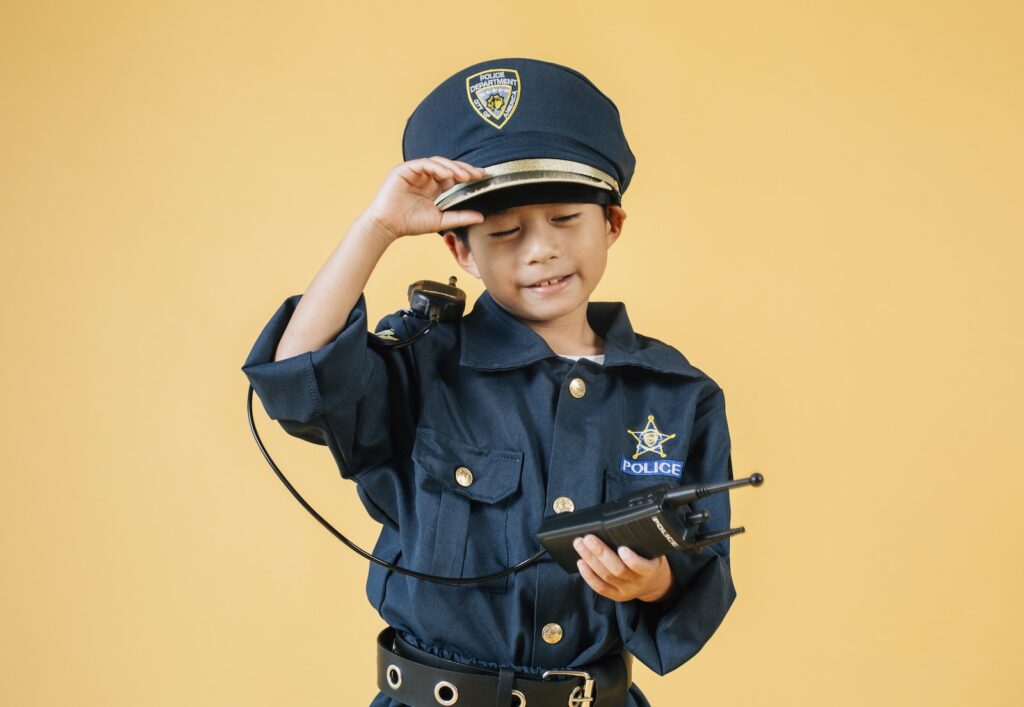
(551,285)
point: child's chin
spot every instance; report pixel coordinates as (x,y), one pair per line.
(545,311)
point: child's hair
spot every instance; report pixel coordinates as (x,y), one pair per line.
(463,233)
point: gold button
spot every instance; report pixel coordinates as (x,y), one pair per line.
(563,504)
(464,476)
(577,388)
(552,633)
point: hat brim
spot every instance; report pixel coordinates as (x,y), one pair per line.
(538,193)
(527,171)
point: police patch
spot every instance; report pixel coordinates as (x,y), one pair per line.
(494,94)
(651,440)
(652,467)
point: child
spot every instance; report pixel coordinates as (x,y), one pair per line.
(537,402)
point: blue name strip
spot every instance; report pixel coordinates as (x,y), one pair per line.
(652,467)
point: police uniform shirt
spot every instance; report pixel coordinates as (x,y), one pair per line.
(462,442)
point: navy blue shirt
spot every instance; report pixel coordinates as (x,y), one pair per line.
(537,432)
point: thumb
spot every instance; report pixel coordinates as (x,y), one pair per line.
(455,219)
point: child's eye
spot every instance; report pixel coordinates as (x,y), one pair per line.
(560,219)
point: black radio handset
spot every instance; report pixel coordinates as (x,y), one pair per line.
(429,300)
(652,522)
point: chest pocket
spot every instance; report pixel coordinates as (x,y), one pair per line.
(618,483)
(462,506)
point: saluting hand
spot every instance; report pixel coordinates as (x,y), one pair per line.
(623,575)
(404,204)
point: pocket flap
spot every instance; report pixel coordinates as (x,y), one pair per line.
(493,474)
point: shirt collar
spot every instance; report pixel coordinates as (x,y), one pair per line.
(493,339)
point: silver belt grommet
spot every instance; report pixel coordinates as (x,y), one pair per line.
(520,697)
(445,693)
(394,676)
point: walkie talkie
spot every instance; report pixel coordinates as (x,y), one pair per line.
(429,299)
(652,522)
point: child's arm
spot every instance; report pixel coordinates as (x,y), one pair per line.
(312,365)
(404,205)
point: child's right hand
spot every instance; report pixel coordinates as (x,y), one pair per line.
(404,204)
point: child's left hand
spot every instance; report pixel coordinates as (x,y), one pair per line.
(624,575)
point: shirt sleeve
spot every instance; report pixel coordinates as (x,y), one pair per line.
(663,635)
(346,395)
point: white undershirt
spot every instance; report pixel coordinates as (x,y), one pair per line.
(597,358)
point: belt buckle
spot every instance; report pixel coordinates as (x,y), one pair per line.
(582,695)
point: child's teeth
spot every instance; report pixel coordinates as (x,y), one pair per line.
(549,282)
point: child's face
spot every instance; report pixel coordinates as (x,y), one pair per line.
(515,250)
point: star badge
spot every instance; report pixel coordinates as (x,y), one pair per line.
(650,439)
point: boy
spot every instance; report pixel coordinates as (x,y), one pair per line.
(537,402)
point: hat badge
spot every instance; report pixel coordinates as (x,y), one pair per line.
(494,94)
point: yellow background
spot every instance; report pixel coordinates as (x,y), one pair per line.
(825,217)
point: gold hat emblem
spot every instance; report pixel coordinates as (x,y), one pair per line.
(494,94)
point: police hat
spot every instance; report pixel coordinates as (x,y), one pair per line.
(542,132)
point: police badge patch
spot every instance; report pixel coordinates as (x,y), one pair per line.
(651,440)
(494,94)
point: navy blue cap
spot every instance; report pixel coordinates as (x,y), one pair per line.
(525,121)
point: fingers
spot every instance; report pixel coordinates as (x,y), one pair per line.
(454,219)
(640,565)
(603,560)
(429,176)
(442,168)
(405,199)
(462,168)
(596,583)
(622,575)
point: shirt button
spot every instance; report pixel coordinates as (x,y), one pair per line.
(563,504)
(577,388)
(463,476)
(551,633)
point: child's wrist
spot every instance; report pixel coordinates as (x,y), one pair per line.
(374,227)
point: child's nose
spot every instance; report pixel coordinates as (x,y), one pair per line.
(543,243)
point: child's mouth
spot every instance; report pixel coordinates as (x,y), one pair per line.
(550,285)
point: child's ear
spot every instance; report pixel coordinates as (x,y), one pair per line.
(463,256)
(614,217)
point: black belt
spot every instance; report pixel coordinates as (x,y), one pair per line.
(421,679)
